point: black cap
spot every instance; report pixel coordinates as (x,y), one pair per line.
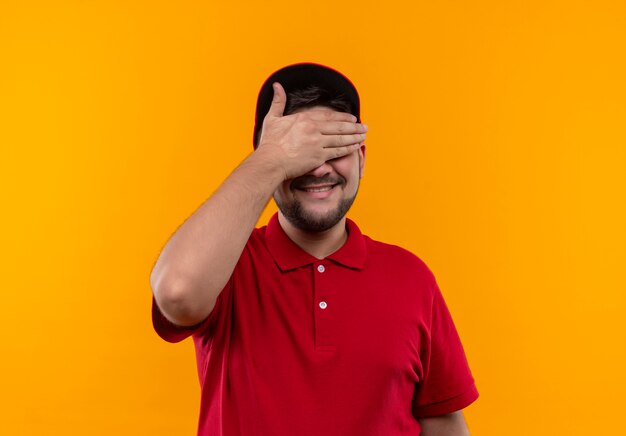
(302,75)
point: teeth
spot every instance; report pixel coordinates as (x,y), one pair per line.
(325,188)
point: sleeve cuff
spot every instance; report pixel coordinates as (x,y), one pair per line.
(168,330)
(448,406)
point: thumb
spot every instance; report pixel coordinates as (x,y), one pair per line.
(277,107)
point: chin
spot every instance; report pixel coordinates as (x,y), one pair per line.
(312,219)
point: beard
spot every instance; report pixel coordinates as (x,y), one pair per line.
(307,221)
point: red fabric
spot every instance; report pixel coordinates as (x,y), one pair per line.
(382,353)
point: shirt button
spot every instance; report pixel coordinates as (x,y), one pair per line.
(323,305)
(321,268)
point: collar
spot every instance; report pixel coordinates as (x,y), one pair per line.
(288,255)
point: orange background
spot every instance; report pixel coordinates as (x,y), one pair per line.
(496,152)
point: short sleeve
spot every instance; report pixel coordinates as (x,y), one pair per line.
(447,384)
(175,333)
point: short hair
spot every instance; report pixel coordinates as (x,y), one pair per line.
(314,95)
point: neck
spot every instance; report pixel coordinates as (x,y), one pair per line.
(317,244)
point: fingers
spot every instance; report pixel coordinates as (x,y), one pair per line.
(337,152)
(277,108)
(341,128)
(339,134)
(335,141)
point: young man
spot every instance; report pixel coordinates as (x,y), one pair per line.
(306,326)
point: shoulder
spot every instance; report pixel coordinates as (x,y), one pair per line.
(394,253)
(257,239)
(400,261)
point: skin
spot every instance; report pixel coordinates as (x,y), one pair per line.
(312,149)
(452,424)
(338,181)
(199,258)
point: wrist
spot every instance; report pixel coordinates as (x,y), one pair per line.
(266,167)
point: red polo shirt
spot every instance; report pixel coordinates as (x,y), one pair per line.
(359,343)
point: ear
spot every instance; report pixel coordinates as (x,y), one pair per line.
(361,159)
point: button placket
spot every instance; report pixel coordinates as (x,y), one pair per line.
(324,334)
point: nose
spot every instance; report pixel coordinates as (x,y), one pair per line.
(321,171)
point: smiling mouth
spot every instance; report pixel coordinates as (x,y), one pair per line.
(317,188)
(312,185)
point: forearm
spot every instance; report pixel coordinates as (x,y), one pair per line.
(452,424)
(199,258)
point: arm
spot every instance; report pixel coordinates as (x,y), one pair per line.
(199,258)
(452,424)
